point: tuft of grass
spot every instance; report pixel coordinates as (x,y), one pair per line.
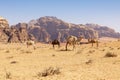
(7,51)
(118,48)
(91,51)
(78,52)
(8,75)
(13,62)
(28,52)
(89,62)
(103,50)
(18,48)
(110,54)
(49,71)
(10,57)
(53,55)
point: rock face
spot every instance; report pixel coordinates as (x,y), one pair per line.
(23,34)
(55,28)
(49,28)
(3,23)
(40,34)
(104,31)
(19,33)
(15,33)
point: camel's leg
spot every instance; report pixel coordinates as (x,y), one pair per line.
(53,46)
(73,46)
(58,45)
(66,46)
(92,44)
(34,47)
(27,45)
(97,43)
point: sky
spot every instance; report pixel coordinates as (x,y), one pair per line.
(102,12)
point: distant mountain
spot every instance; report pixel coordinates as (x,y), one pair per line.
(58,29)
(45,29)
(50,28)
(104,31)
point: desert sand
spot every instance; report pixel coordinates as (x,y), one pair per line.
(83,63)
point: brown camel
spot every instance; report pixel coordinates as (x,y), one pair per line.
(56,42)
(73,40)
(93,41)
(29,43)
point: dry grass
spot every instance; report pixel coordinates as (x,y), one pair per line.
(13,62)
(8,75)
(89,62)
(49,72)
(91,51)
(7,51)
(110,54)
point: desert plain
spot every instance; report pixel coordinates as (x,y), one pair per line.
(83,63)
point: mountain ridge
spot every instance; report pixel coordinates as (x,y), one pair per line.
(45,29)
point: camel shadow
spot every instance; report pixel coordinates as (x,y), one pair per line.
(65,50)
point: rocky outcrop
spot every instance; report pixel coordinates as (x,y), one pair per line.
(15,33)
(3,36)
(104,31)
(54,28)
(40,34)
(3,23)
(20,33)
(49,28)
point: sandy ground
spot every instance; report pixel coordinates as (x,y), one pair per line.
(84,63)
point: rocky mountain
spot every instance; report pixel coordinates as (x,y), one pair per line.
(49,28)
(3,24)
(15,33)
(104,31)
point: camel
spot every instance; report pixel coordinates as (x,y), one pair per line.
(55,42)
(73,40)
(79,40)
(93,41)
(29,43)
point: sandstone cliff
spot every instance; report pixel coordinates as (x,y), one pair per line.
(49,28)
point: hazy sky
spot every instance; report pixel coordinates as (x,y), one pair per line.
(102,12)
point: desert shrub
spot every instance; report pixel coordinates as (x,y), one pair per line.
(53,55)
(7,51)
(28,52)
(49,71)
(79,51)
(24,51)
(103,50)
(8,75)
(111,48)
(118,48)
(89,62)
(91,51)
(10,57)
(110,54)
(13,62)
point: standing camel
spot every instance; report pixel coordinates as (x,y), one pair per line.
(73,40)
(56,42)
(93,41)
(29,43)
